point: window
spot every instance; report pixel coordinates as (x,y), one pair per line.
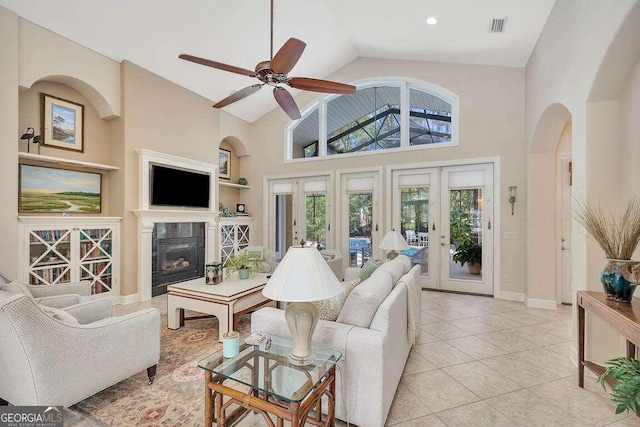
(379,116)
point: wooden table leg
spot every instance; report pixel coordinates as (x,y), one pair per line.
(631,350)
(208,400)
(580,345)
(220,415)
(294,408)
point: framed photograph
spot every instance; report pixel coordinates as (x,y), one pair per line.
(213,273)
(255,253)
(62,123)
(44,189)
(224,164)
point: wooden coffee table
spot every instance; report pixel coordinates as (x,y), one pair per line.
(227,301)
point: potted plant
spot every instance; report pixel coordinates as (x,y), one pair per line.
(469,253)
(245,265)
(626,392)
(618,237)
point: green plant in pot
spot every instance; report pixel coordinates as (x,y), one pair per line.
(618,236)
(469,253)
(246,266)
(625,393)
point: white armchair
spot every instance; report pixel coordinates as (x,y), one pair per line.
(45,361)
(58,296)
(268,257)
(334,260)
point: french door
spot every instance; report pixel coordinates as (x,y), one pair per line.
(359,216)
(299,212)
(446,217)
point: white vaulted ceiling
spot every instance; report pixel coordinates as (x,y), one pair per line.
(152,33)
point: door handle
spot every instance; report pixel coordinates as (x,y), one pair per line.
(434,226)
(442,237)
(489,226)
(563,248)
(443,244)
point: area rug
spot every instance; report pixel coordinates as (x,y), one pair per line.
(176,398)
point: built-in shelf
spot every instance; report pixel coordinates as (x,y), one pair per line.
(232,185)
(67,162)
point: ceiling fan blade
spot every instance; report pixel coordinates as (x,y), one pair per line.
(218,65)
(317,85)
(286,102)
(287,56)
(237,96)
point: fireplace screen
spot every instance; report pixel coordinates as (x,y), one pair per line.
(178,254)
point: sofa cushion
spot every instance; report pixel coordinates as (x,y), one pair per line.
(330,308)
(364,300)
(395,268)
(18,288)
(59,314)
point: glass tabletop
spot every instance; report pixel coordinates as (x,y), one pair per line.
(271,371)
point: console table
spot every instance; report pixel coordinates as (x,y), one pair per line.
(624,318)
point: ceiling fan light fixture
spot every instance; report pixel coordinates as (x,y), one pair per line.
(432,20)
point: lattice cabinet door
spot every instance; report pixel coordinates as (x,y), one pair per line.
(227,242)
(49,254)
(96,258)
(242,236)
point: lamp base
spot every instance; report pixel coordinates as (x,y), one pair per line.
(302,318)
(392,255)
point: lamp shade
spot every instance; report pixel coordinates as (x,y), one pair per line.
(393,241)
(302,276)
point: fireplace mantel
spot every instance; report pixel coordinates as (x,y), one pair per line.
(147,216)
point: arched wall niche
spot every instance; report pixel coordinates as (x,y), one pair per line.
(549,128)
(541,206)
(238,146)
(105,110)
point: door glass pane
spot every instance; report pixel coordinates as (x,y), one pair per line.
(415,224)
(360,221)
(316,216)
(284,223)
(466,234)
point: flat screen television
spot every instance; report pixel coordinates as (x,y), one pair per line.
(177,187)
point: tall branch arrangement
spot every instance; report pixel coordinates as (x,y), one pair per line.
(617,236)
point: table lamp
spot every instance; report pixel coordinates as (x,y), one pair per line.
(393,241)
(302,276)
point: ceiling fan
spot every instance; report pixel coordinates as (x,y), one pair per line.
(275,73)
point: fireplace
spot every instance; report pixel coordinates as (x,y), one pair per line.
(178,254)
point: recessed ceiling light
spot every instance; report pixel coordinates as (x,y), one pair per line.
(432,21)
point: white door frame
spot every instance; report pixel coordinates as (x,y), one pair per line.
(497,202)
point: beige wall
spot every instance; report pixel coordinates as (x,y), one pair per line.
(491,124)
(164,117)
(49,56)
(9,134)
(563,67)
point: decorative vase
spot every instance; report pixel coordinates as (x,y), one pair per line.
(474,268)
(242,181)
(616,287)
(243,273)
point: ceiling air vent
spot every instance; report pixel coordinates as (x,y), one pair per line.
(497,25)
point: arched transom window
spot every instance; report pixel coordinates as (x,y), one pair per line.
(389,115)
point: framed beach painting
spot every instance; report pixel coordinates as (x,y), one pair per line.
(44,189)
(224,164)
(62,123)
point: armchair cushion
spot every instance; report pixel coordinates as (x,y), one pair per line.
(91,311)
(330,308)
(18,288)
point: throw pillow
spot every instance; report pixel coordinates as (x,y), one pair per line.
(17,287)
(59,314)
(367,269)
(330,308)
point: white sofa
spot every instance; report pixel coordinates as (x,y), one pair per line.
(373,335)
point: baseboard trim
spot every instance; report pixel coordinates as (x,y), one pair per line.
(541,303)
(573,357)
(128,299)
(511,296)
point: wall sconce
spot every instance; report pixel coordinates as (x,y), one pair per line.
(28,135)
(512,196)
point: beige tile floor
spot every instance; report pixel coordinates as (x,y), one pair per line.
(485,362)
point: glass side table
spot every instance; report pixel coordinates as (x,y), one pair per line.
(266,381)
